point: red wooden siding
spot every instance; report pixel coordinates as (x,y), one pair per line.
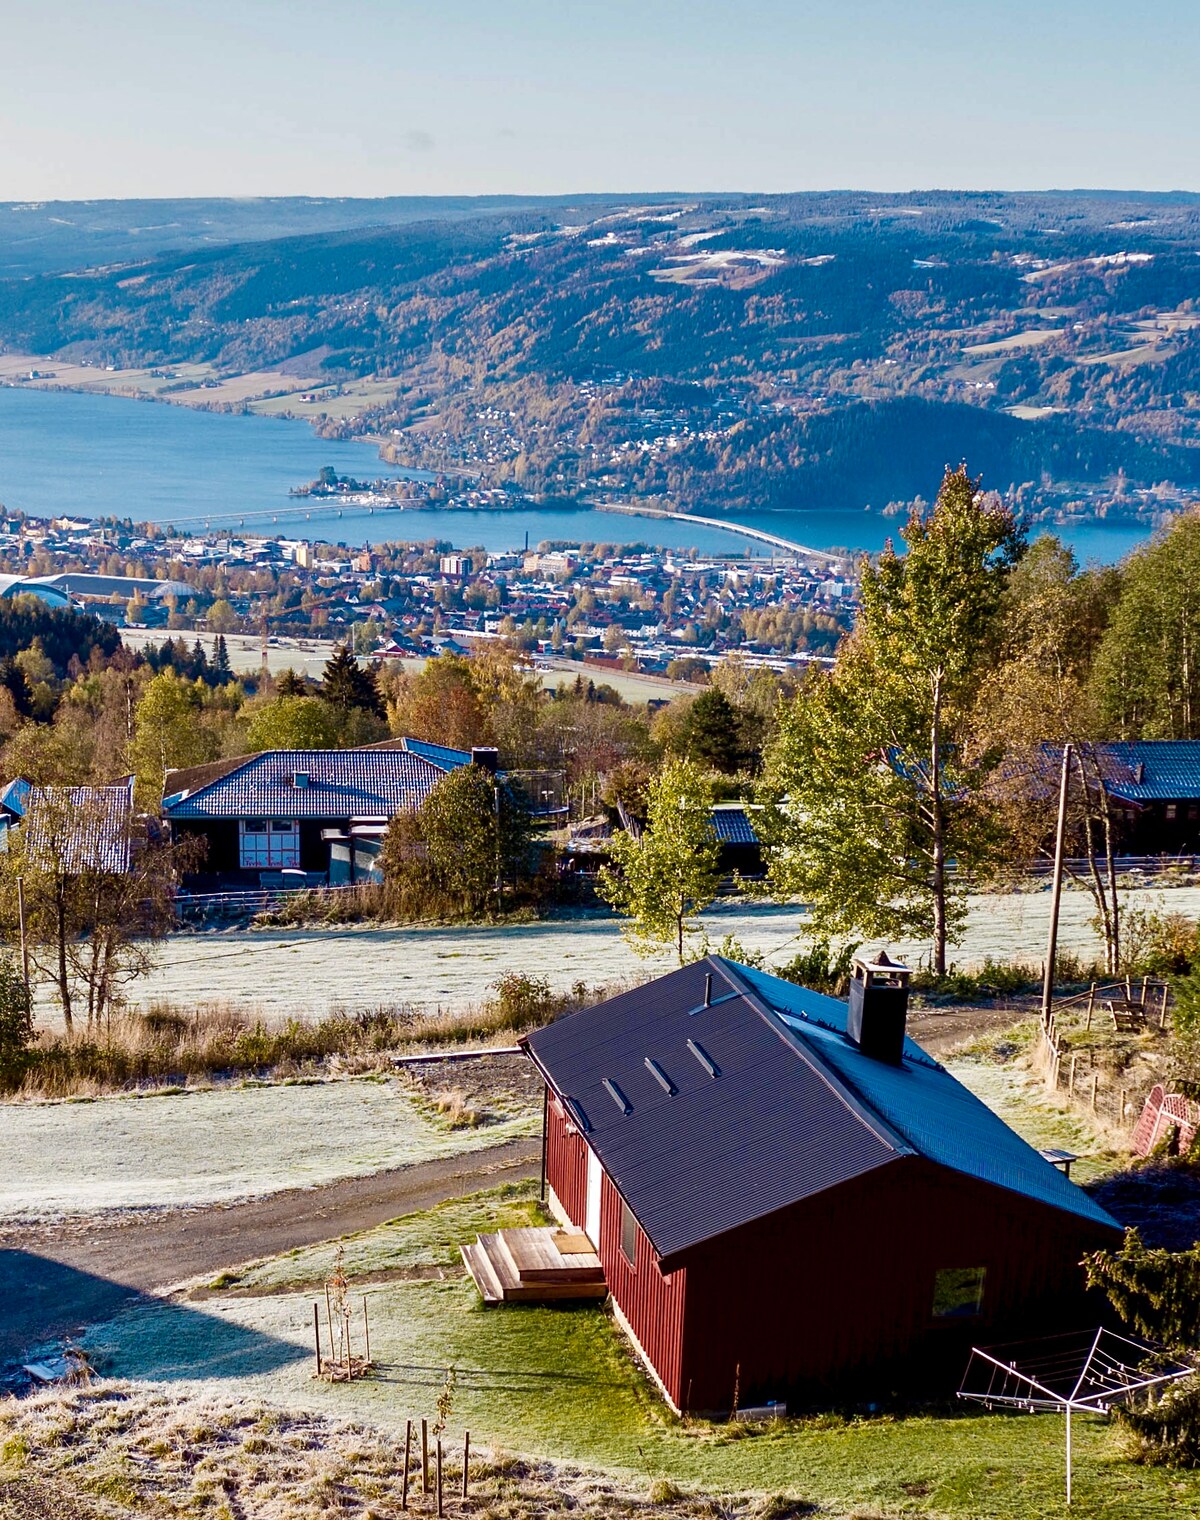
(839,1289)
(566,1162)
(651,1302)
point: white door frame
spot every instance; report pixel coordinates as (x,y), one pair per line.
(591,1218)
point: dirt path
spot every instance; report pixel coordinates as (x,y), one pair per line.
(54,1280)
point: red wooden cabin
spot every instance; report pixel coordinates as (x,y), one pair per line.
(790,1199)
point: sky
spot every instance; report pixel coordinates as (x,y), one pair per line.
(131,98)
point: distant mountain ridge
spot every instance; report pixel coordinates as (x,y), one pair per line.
(717,351)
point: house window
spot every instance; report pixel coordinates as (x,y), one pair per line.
(958,1292)
(268,844)
(1171,810)
(628,1234)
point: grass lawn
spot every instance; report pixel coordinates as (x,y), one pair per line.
(560,1382)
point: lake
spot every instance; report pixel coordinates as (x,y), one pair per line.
(103,456)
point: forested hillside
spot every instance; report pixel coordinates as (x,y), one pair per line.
(720,353)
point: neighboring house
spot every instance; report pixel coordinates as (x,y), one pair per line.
(1154,785)
(83,828)
(741,849)
(790,1198)
(732,826)
(312,811)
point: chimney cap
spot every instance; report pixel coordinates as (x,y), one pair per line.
(882,965)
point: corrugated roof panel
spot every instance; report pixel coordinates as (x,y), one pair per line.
(942,1120)
(771,1129)
(732,825)
(796,1108)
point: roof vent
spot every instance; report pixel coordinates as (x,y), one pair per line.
(300,779)
(879,1007)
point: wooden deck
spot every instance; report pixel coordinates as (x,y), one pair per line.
(534,1266)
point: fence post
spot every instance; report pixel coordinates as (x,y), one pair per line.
(424,1456)
(1095,1079)
(407,1453)
(1071,1079)
(466,1460)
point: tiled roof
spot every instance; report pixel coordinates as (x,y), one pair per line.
(341,783)
(732,825)
(709,1116)
(1169,769)
(77,828)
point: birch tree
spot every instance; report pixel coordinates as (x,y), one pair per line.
(877,803)
(669,872)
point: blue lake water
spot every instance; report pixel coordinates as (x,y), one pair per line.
(104,456)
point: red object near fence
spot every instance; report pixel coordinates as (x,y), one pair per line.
(1166,1112)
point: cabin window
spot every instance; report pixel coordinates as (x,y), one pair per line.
(268,844)
(1171,810)
(628,1234)
(958,1292)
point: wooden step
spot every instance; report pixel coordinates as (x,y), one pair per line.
(480,1268)
(537,1258)
(502,1265)
(514,1290)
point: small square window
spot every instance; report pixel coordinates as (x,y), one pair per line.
(958,1292)
(628,1234)
(1171,810)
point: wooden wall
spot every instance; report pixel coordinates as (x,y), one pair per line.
(835,1295)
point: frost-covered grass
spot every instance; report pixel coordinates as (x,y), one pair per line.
(417,1243)
(290,972)
(120,1448)
(559,1383)
(218,1144)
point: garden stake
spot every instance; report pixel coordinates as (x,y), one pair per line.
(366,1328)
(1095,1079)
(329,1317)
(407,1451)
(466,1459)
(317,1335)
(439,1476)
(424,1456)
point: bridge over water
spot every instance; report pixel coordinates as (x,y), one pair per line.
(775,540)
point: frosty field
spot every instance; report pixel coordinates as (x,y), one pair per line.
(306,972)
(215,1145)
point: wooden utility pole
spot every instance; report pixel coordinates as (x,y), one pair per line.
(24,938)
(1060,836)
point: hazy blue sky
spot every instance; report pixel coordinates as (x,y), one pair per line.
(377,97)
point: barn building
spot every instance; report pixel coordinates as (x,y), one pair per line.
(789,1198)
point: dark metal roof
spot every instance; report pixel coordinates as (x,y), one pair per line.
(772,1127)
(795,1106)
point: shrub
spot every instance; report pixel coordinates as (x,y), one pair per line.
(821,968)
(17,1033)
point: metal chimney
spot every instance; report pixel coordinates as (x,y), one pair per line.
(879,1007)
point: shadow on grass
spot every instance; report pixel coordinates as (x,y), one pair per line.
(483,1379)
(45,1300)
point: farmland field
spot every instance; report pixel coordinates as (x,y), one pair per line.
(308,971)
(185,1149)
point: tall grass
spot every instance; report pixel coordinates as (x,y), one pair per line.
(167,1045)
